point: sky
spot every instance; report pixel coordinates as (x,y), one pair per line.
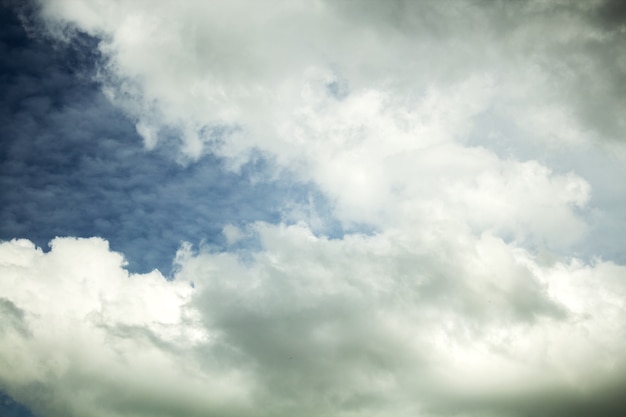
(312,208)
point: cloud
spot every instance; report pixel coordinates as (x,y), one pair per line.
(82,330)
(365,325)
(181,65)
(416,79)
(439,260)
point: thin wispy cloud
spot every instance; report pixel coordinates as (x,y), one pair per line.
(347,208)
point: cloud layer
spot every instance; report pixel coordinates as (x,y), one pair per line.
(455,248)
(366,325)
(354,98)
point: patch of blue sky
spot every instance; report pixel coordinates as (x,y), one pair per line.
(10,408)
(71,164)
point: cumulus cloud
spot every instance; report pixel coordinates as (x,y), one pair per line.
(375,105)
(366,325)
(78,331)
(182,65)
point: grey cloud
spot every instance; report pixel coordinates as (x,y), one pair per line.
(12,318)
(612,14)
(350,336)
(605,399)
(577,45)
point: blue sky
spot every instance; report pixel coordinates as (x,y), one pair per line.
(74,165)
(312,208)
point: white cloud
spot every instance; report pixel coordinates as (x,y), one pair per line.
(413,80)
(86,332)
(365,325)
(193,64)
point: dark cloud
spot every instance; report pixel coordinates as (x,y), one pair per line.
(591,73)
(612,14)
(607,399)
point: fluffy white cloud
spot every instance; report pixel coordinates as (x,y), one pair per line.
(195,65)
(374,104)
(79,331)
(365,325)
